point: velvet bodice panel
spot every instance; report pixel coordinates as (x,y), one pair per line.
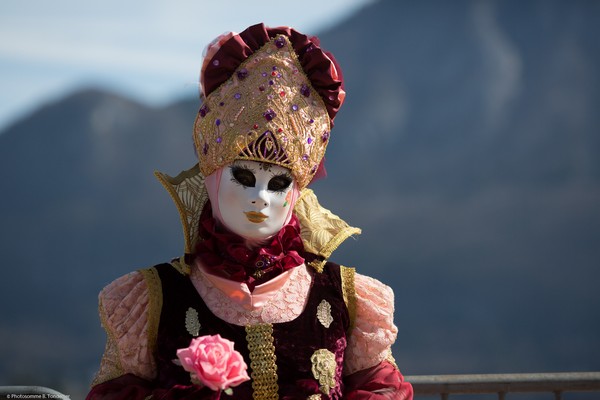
(295,341)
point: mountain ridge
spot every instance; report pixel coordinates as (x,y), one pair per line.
(471,130)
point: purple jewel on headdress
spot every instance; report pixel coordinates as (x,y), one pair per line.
(305,90)
(280,42)
(269,115)
(309,140)
(219,139)
(261,88)
(311,120)
(205,148)
(305,157)
(295,107)
(264,74)
(221,104)
(242,73)
(237,96)
(218,122)
(204,110)
(270,82)
(325,136)
(215,63)
(274,68)
(313,170)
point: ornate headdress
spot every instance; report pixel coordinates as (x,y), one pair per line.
(270,95)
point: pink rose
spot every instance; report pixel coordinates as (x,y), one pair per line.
(212,361)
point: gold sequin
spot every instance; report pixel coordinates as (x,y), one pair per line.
(263,361)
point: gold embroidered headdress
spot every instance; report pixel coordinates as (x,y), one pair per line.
(267,110)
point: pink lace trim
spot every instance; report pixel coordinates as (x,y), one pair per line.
(125,304)
(374,330)
(283,304)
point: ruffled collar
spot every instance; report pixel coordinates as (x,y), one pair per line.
(227,255)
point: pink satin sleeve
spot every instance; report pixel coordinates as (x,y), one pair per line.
(124,308)
(374,331)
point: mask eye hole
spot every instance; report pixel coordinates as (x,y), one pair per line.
(279,183)
(243,176)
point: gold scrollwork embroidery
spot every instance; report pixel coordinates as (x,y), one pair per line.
(314,397)
(192,323)
(263,361)
(324,313)
(323,369)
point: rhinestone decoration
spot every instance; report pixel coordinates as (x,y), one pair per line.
(242,74)
(203,110)
(277,101)
(305,90)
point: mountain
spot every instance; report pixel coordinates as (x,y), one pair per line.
(467,150)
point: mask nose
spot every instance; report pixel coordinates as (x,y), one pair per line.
(261,198)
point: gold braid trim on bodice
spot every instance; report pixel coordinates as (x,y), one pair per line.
(321,231)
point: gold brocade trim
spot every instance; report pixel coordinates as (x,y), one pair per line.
(181,266)
(189,194)
(155,299)
(269,113)
(322,232)
(263,361)
(349,290)
(110,366)
(390,358)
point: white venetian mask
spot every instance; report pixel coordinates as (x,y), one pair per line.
(255,198)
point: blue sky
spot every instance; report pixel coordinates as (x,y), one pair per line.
(150,50)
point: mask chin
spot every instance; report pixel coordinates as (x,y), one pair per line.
(252,199)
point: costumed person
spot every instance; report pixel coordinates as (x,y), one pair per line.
(254,309)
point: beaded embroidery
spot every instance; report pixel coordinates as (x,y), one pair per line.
(192,323)
(324,313)
(262,361)
(323,369)
(266,111)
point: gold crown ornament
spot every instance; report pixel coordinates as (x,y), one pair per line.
(266,111)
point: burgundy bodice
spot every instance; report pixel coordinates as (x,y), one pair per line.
(295,341)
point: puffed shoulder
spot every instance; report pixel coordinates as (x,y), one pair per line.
(374,331)
(125,312)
